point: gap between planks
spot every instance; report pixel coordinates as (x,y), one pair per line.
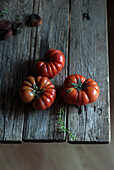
(67,136)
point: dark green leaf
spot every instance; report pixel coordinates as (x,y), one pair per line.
(68,91)
(62,127)
(75,85)
(79,82)
(39,86)
(4,12)
(60,121)
(38,96)
(33,92)
(35,87)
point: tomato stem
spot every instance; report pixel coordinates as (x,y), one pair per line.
(47,60)
(61,112)
(37,91)
(78,86)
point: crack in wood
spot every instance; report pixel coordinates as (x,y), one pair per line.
(79,110)
(85,110)
(94,107)
(67,110)
(26,110)
(90,137)
(4,127)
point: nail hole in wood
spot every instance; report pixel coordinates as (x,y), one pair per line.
(94,108)
(86,16)
(99,111)
(79,110)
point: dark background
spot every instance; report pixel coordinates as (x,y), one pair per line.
(33,156)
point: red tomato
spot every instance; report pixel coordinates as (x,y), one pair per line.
(52,64)
(78,90)
(40,91)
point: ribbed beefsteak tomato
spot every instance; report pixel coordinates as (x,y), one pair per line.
(40,91)
(78,90)
(52,64)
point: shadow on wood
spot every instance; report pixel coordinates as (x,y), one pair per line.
(9,96)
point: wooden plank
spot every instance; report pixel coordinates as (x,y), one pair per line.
(42,125)
(89,57)
(14,54)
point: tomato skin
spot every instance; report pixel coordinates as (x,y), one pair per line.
(53,63)
(78,90)
(40,91)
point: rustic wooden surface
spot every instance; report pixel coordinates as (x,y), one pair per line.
(18,57)
(53,34)
(88,48)
(84,44)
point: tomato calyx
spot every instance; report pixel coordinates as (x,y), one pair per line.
(47,59)
(37,91)
(78,86)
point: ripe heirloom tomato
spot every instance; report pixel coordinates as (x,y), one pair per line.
(40,91)
(52,64)
(78,90)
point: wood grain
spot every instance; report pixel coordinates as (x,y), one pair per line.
(84,44)
(18,57)
(42,125)
(89,57)
(14,54)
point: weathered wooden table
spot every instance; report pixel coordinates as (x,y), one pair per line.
(78,28)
